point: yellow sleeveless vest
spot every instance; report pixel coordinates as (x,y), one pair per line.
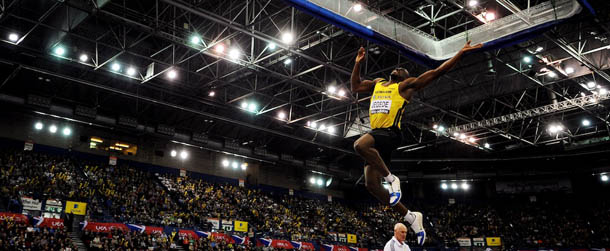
(387,106)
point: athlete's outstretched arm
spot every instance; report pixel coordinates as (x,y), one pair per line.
(427,77)
(357,84)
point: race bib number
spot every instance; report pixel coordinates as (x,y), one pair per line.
(381,106)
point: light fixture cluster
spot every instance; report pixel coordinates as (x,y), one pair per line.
(66,131)
(249,106)
(470,140)
(321,127)
(183,154)
(455,185)
(234,164)
(320,181)
(555,128)
(603,177)
(334,91)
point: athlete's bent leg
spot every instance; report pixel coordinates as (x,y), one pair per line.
(372,181)
(365,147)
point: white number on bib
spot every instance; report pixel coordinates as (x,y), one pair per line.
(381,106)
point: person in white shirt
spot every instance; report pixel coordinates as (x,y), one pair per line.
(397,243)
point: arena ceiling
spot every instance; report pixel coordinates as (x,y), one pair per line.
(268,93)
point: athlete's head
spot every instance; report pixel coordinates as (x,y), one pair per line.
(400,232)
(399,74)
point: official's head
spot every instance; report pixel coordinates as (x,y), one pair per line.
(400,232)
(399,74)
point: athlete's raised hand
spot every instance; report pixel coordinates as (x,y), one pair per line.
(361,53)
(469,47)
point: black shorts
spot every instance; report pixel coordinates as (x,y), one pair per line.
(386,141)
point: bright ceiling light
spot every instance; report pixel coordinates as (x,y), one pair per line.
(288,61)
(435,126)
(591,84)
(244,166)
(539,49)
(234,53)
(183,155)
(234,165)
(287,38)
(131,71)
(487,145)
(281,115)
(465,186)
(271,46)
(59,50)
(552,74)
(444,186)
(454,186)
(332,89)
(313,124)
(115,67)
(602,91)
(555,128)
(83,57)
(441,128)
(172,74)
(472,140)
(195,39)
(244,105)
(322,127)
(173,153)
(341,93)
(319,182)
(219,48)
(473,3)
(331,130)
(456,134)
(604,177)
(13,37)
(225,162)
(252,107)
(357,7)
(569,70)
(53,129)
(586,122)
(527,59)
(462,136)
(67,131)
(212,93)
(490,16)
(38,126)
(312,180)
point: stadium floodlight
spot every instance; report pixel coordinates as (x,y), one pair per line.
(184,155)
(172,74)
(539,49)
(53,129)
(83,57)
(441,128)
(211,93)
(473,3)
(329,181)
(281,115)
(569,70)
(234,165)
(173,153)
(234,54)
(462,136)
(357,7)
(472,140)
(195,39)
(67,131)
(320,182)
(244,105)
(313,124)
(552,74)
(591,84)
(38,126)
(435,126)
(271,46)
(131,71)
(332,89)
(487,145)
(312,180)
(341,93)
(287,38)
(59,50)
(604,177)
(115,67)
(219,48)
(252,107)
(465,186)
(490,16)
(331,130)
(586,122)
(322,127)
(527,59)
(287,61)
(13,37)
(244,166)
(602,91)
(225,163)
(444,186)
(456,134)
(454,186)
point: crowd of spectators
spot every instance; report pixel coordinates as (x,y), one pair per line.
(132,195)
(20,236)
